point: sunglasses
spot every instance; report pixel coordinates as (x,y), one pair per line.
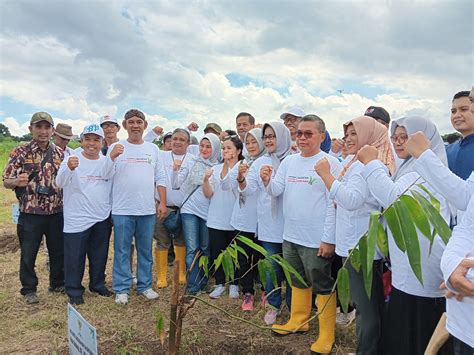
(306,134)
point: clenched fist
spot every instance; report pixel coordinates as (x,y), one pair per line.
(322,167)
(177,164)
(193,127)
(73,162)
(158,130)
(417,144)
(336,145)
(266,173)
(22,180)
(243,168)
(367,153)
(116,151)
(207,174)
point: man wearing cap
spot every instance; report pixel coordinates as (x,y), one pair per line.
(291,118)
(86,180)
(379,113)
(111,128)
(62,136)
(137,171)
(31,171)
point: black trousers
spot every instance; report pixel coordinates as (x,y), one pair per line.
(218,241)
(30,230)
(93,242)
(247,274)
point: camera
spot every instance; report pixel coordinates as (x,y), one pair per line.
(42,190)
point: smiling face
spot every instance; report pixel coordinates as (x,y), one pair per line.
(61,142)
(179,143)
(42,132)
(252,146)
(291,122)
(351,139)
(462,118)
(309,138)
(269,139)
(399,140)
(229,150)
(205,148)
(135,127)
(91,145)
(110,130)
(243,125)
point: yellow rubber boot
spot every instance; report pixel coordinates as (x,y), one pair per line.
(327,324)
(180,254)
(300,313)
(161,268)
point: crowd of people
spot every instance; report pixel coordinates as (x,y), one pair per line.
(284,184)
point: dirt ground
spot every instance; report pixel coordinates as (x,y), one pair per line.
(130,329)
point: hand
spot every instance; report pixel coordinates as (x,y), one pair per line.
(73,162)
(294,147)
(223,135)
(336,145)
(158,130)
(266,173)
(22,180)
(243,168)
(162,211)
(463,286)
(322,167)
(366,154)
(227,156)
(207,174)
(326,250)
(116,151)
(193,127)
(177,164)
(417,144)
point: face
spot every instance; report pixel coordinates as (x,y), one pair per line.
(269,139)
(42,131)
(110,130)
(167,144)
(291,122)
(308,137)
(179,143)
(135,127)
(252,145)
(229,151)
(471,98)
(60,141)
(243,125)
(399,140)
(352,142)
(205,148)
(462,118)
(91,144)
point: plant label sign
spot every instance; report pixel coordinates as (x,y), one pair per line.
(81,335)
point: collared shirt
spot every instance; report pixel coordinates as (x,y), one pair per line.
(27,158)
(461,156)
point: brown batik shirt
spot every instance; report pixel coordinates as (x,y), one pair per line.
(27,158)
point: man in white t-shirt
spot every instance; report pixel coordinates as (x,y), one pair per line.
(308,239)
(137,171)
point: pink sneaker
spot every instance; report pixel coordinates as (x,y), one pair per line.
(271,316)
(264,299)
(247,304)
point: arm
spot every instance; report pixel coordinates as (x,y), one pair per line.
(229,182)
(207,189)
(250,184)
(276,185)
(12,175)
(350,194)
(65,174)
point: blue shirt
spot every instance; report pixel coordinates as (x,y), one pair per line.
(461,157)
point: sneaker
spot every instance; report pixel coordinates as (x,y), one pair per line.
(234,291)
(31,298)
(247,303)
(150,294)
(217,292)
(271,316)
(58,289)
(121,298)
(264,300)
(134,279)
(345,319)
(105,292)
(76,300)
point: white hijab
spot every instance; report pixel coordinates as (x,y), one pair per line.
(283,142)
(196,174)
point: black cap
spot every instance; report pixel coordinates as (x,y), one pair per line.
(378,112)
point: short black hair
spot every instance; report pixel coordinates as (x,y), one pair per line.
(460,94)
(251,118)
(237,144)
(316,119)
(230,132)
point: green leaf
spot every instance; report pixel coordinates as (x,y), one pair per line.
(261,271)
(241,250)
(418,215)
(288,277)
(343,291)
(203,263)
(355,259)
(270,270)
(253,245)
(393,222)
(438,222)
(218,260)
(410,236)
(366,271)
(382,240)
(285,265)
(434,200)
(372,237)
(234,254)
(160,327)
(228,266)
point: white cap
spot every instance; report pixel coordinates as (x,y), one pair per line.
(295,111)
(107,118)
(93,128)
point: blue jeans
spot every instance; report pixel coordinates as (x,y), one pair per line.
(274,298)
(196,238)
(93,242)
(125,228)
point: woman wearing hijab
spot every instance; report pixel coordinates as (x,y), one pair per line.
(354,203)
(190,178)
(244,215)
(277,141)
(221,232)
(414,309)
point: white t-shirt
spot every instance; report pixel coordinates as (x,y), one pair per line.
(86,192)
(221,203)
(306,204)
(136,172)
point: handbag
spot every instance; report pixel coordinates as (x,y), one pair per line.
(172,222)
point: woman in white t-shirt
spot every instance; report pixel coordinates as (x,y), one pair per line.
(190,179)
(86,180)
(414,309)
(221,233)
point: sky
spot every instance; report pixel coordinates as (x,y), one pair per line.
(206,61)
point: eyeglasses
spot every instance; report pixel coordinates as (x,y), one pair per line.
(306,134)
(400,139)
(269,137)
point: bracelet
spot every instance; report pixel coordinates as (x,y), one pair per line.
(241,181)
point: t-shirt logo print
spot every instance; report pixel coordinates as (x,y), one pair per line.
(92,128)
(311,180)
